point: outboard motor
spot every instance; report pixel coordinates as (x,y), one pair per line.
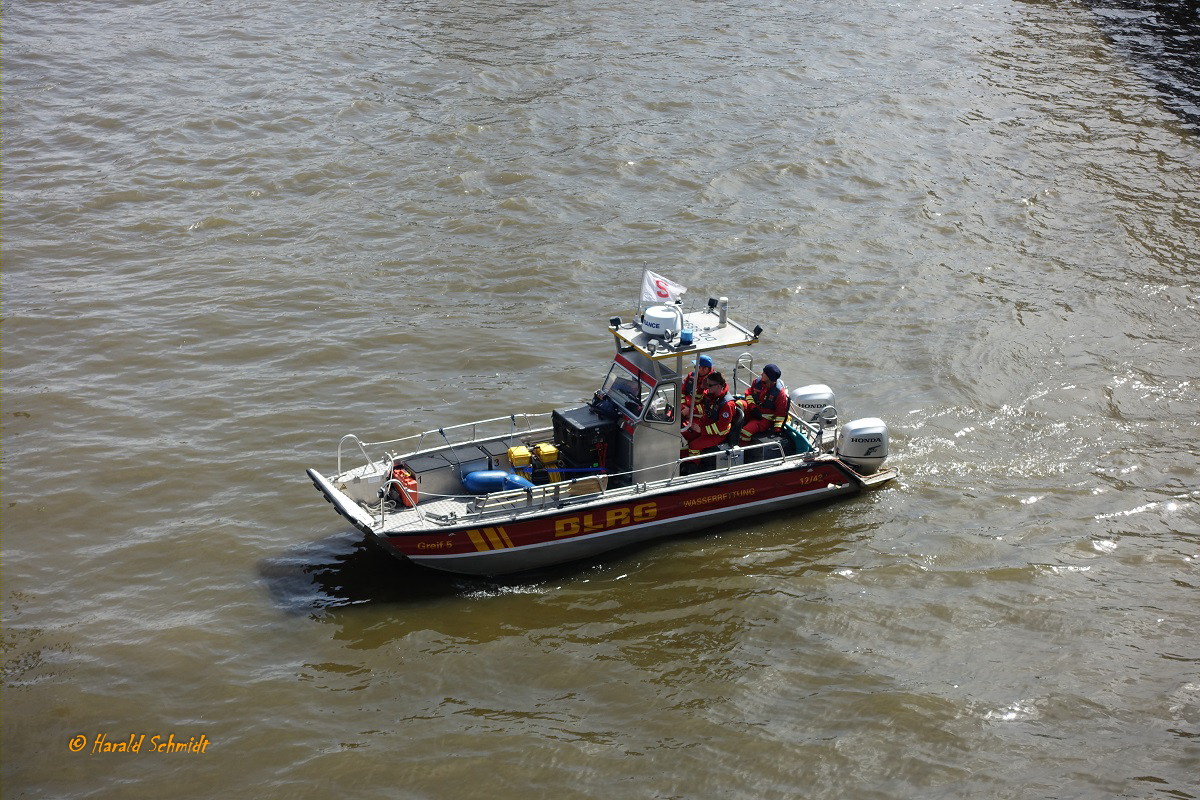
(863,444)
(811,400)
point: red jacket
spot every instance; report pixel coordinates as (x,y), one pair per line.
(715,412)
(768,401)
(689,383)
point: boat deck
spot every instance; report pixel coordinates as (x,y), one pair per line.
(447,512)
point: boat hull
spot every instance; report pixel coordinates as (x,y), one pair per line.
(525,542)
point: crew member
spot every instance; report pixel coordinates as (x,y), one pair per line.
(704,366)
(714,416)
(766,405)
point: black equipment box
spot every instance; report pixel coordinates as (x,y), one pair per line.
(584,437)
(497,453)
(442,472)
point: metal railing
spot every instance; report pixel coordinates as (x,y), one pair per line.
(420,438)
(744,361)
(577,490)
(827,418)
(564,492)
(408,500)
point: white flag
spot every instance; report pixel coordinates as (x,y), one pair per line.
(657,289)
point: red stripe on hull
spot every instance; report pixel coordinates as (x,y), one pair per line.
(652,510)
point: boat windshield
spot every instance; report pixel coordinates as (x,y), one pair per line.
(623,388)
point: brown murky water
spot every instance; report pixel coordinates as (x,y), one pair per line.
(234,233)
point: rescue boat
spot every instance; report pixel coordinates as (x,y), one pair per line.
(527,491)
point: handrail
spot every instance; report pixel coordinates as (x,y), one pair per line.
(748,358)
(474,426)
(420,437)
(383,493)
(827,418)
(746,361)
(360,447)
(541,494)
(560,491)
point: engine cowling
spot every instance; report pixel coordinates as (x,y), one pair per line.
(809,401)
(863,444)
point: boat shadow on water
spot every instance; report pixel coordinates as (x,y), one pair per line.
(348,570)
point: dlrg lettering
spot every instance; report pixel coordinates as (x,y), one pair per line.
(600,521)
